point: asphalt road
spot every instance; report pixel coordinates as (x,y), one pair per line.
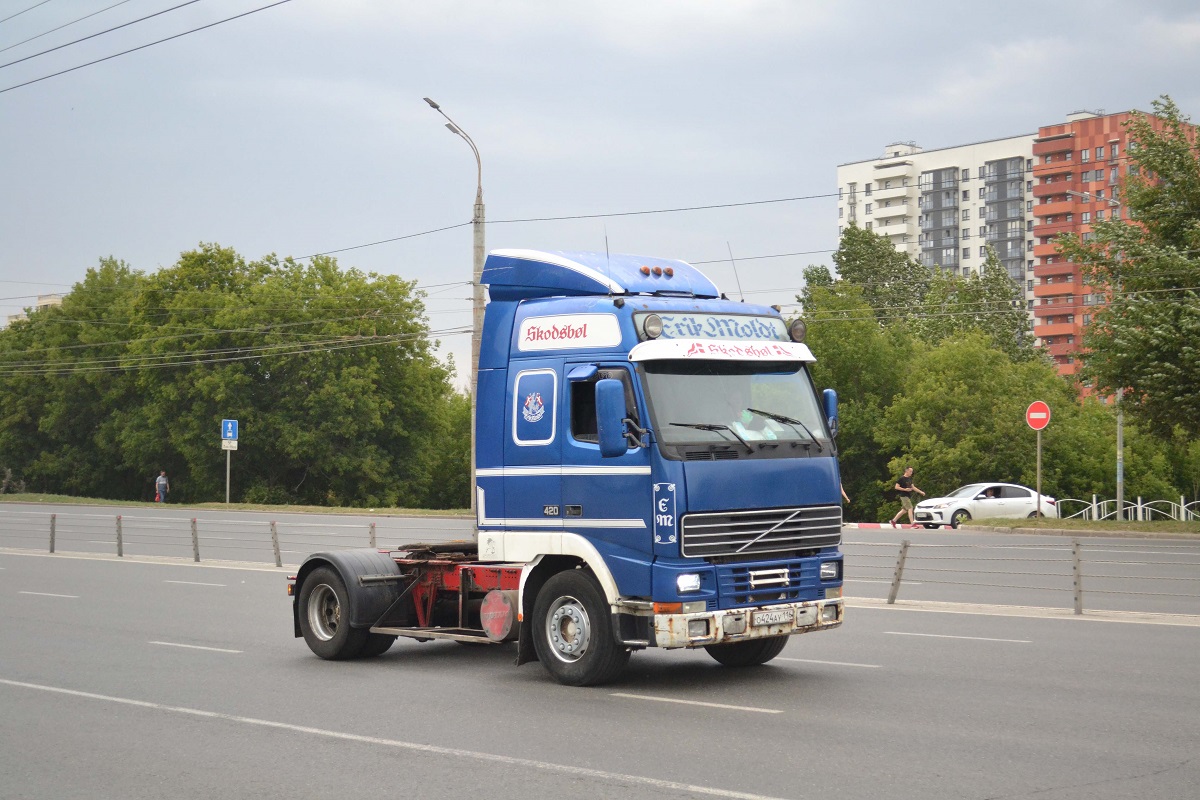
(128,679)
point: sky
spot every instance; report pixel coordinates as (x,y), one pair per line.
(301,129)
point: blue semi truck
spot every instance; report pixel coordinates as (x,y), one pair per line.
(654,468)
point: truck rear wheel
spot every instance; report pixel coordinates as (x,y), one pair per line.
(572,631)
(747,654)
(325,617)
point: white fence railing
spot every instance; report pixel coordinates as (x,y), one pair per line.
(1138,511)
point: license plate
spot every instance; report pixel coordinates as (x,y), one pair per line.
(774,617)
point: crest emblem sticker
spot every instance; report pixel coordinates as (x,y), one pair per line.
(534,409)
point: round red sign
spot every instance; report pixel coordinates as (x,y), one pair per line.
(1037,415)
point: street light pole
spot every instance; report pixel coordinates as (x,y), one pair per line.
(477,299)
(1087,197)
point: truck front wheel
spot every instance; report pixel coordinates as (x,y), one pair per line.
(573,631)
(747,654)
(325,617)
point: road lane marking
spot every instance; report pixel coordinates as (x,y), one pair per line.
(947,636)
(196,583)
(830,663)
(697,703)
(196,647)
(396,744)
(48,594)
(880,580)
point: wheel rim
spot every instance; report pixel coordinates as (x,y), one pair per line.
(324,612)
(568,629)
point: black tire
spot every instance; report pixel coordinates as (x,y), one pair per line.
(959,517)
(376,645)
(747,654)
(929,526)
(1033,515)
(325,617)
(572,631)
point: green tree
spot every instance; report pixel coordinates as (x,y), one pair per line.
(988,302)
(1147,340)
(892,284)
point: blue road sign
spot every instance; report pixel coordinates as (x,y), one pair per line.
(229,429)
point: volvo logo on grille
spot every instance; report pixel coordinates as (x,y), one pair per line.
(769,577)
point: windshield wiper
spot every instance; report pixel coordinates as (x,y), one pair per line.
(788,421)
(711,426)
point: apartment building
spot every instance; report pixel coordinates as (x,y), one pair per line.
(944,207)
(1078,169)
(43,301)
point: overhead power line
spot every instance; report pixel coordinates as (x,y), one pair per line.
(144,46)
(101,33)
(64,25)
(22,11)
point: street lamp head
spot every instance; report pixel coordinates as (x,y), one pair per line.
(432,104)
(453,129)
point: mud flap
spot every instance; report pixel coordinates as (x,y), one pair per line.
(526,652)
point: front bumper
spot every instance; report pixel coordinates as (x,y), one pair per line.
(734,625)
(930,515)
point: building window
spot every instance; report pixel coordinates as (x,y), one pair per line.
(1098,194)
(1029,205)
(839,193)
(1099,214)
(867,190)
(1030,305)
(966,174)
(868,208)
(981,173)
(1085,155)
(887,184)
(840,229)
(1028,186)
(905,183)
(983,252)
(981,191)
(1029,225)
(868,224)
(1029,286)
(966,194)
(1029,165)
(1028,265)
(1029,246)
(1114,148)
(1100,153)
(840,209)
(966,213)
(1112,175)
(966,252)
(966,233)
(1085,217)
(1087,319)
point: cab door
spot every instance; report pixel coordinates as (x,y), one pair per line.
(606,500)
(532,446)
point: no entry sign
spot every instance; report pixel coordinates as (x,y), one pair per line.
(1037,415)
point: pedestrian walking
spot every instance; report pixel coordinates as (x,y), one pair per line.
(161,487)
(906,487)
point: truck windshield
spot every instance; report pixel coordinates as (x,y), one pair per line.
(705,402)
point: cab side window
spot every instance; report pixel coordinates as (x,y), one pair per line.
(583,403)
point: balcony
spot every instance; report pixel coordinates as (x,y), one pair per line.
(1045,250)
(893,169)
(897,190)
(1061,267)
(1059,329)
(1054,228)
(1067,206)
(1062,349)
(1053,168)
(1057,288)
(1041,190)
(937,244)
(1062,143)
(937,259)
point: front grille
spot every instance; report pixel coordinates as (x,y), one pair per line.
(711,455)
(746,585)
(776,530)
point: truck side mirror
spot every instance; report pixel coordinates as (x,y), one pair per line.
(829,397)
(610,413)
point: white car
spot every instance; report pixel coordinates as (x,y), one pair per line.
(980,501)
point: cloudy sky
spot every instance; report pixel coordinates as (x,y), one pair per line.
(300,129)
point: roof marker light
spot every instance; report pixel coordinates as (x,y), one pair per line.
(644,270)
(669,272)
(657,271)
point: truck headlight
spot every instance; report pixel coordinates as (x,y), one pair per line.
(831,570)
(688,582)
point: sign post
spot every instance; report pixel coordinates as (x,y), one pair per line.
(229,443)
(1038,417)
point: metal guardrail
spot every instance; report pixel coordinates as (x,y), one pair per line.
(1054,567)
(1139,511)
(229,539)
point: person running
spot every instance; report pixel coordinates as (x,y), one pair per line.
(905,486)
